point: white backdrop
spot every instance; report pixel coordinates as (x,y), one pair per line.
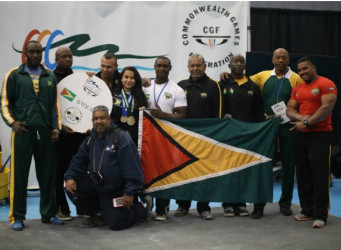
(137,32)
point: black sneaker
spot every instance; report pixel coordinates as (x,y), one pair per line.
(229,212)
(257,213)
(180,212)
(241,211)
(92,221)
(286,211)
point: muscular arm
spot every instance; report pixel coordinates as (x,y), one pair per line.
(292,111)
(327,104)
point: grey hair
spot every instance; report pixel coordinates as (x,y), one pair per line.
(100,108)
(197,56)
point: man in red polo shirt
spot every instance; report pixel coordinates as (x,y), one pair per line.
(310,109)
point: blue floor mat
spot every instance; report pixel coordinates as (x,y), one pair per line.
(33,202)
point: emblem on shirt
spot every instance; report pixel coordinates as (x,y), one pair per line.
(73,115)
(110,148)
(250,92)
(168,95)
(231,91)
(203,95)
(147,96)
(330,89)
(117,102)
(225,91)
(49,83)
(315,91)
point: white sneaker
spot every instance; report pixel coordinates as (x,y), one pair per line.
(160,217)
(319,224)
(206,215)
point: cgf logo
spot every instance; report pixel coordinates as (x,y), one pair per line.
(214,31)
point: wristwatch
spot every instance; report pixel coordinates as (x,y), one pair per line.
(306,123)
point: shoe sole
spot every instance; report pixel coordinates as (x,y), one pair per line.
(317,226)
(160,219)
(65,219)
(303,219)
(228,215)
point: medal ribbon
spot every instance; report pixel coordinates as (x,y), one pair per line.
(126,103)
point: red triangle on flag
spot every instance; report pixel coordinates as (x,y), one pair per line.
(163,154)
(64,92)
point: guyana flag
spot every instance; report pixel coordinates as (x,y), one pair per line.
(218,160)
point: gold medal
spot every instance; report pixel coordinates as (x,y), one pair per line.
(131,120)
(123,119)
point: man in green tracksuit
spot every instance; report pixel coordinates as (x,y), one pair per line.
(29,105)
(276,86)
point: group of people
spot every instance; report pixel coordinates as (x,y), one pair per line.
(102,170)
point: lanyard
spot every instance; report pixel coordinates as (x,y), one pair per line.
(157,100)
(278,89)
(94,155)
(126,103)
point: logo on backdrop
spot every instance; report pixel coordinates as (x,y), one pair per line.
(214,31)
(77,42)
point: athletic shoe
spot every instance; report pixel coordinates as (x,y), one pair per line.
(18,225)
(319,224)
(180,212)
(206,215)
(64,217)
(241,211)
(85,216)
(302,217)
(286,211)
(228,212)
(160,217)
(54,221)
(257,213)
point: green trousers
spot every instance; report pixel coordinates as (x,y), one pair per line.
(36,142)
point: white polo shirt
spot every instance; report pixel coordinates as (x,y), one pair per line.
(167,95)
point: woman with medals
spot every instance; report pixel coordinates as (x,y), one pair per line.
(128,100)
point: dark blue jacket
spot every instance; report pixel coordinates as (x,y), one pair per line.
(121,169)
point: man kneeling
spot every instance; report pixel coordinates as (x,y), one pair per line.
(105,175)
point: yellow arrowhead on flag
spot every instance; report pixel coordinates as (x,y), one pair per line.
(214,158)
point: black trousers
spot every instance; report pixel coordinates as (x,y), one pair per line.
(234,205)
(67,147)
(90,202)
(312,154)
(201,206)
